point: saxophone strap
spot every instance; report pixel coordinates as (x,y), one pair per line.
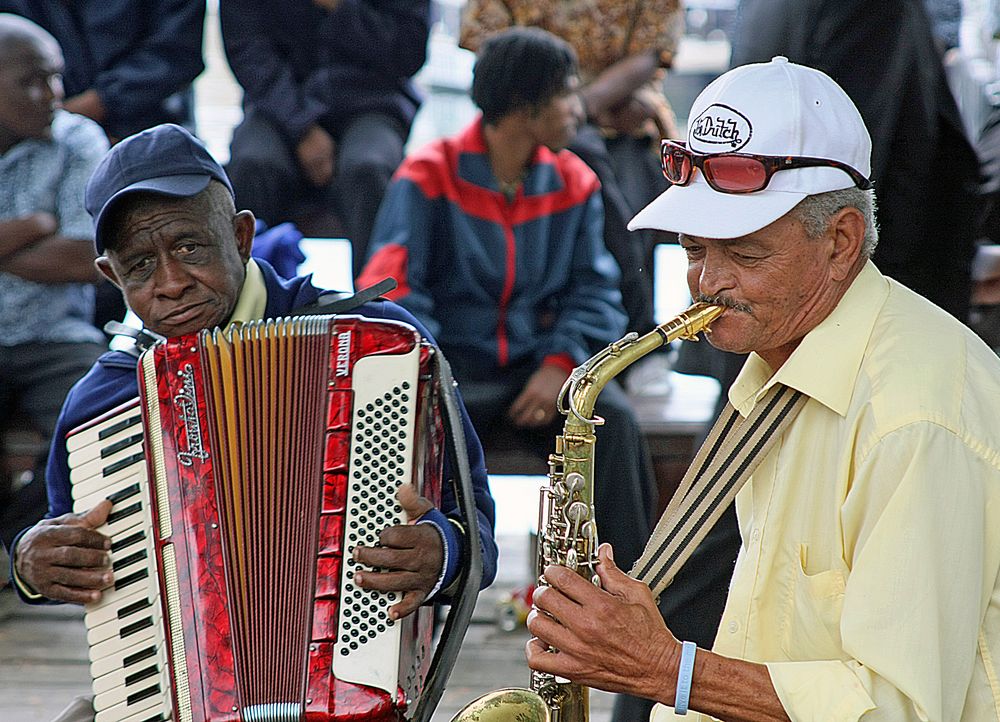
(733,449)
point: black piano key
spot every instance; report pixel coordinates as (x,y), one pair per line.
(135,607)
(122,464)
(122,513)
(129,629)
(120,426)
(125,443)
(139,656)
(131,579)
(128,560)
(123,494)
(144,694)
(128,540)
(142,674)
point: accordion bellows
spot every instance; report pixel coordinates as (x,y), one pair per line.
(273,449)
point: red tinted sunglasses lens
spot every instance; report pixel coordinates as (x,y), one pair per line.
(734,173)
(676,164)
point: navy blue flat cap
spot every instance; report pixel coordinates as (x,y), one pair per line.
(165,159)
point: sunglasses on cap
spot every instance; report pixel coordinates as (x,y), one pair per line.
(739,172)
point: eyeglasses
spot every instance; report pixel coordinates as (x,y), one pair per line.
(739,172)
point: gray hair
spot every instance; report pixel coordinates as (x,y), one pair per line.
(815,212)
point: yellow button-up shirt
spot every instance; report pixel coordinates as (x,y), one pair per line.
(867,580)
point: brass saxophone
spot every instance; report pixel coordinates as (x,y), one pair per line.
(566,527)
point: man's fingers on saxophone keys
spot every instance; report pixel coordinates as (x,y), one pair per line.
(554,603)
(573,586)
(556,628)
(543,658)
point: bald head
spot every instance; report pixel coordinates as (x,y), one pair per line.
(31,90)
(17,32)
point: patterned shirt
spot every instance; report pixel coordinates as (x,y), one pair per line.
(601,31)
(50,175)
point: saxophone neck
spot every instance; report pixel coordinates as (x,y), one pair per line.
(585,383)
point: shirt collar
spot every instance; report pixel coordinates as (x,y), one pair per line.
(252,302)
(825,365)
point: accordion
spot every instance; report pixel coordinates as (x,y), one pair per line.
(252,464)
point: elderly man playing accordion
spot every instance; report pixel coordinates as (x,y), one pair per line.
(168,234)
(868,581)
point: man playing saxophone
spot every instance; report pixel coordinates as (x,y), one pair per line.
(868,580)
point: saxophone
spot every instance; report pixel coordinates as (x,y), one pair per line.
(566,527)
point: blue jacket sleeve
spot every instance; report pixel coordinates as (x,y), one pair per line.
(401,248)
(477,465)
(590,311)
(167,61)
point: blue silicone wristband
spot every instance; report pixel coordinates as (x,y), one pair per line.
(684,674)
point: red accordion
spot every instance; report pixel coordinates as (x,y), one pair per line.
(272,449)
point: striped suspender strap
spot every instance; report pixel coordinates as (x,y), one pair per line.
(725,461)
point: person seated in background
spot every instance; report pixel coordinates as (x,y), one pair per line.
(47,339)
(328,102)
(494,236)
(169,236)
(129,63)
(623,52)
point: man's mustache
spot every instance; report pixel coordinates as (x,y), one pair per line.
(725,302)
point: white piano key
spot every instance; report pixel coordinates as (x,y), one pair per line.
(126,657)
(125,526)
(112,706)
(123,459)
(88,498)
(105,448)
(124,628)
(111,646)
(113,599)
(106,612)
(130,418)
(132,677)
(154,714)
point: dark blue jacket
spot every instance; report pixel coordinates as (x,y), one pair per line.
(139,55)
(300,64)
(113,381)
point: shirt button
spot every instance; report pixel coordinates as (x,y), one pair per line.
(734,627)
(755,537)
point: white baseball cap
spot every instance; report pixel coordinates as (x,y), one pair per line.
(778,109)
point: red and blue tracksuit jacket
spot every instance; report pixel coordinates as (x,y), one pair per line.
(499,282)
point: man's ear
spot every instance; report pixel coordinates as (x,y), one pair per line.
(244,226)
(104,265)
(848,229)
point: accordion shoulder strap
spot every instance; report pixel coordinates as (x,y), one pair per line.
(333,303)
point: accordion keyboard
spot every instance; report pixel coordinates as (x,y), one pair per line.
(125,633)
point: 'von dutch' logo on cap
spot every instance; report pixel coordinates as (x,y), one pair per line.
(718,129)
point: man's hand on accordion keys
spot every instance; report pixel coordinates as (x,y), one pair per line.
(410,557)
(65,558)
